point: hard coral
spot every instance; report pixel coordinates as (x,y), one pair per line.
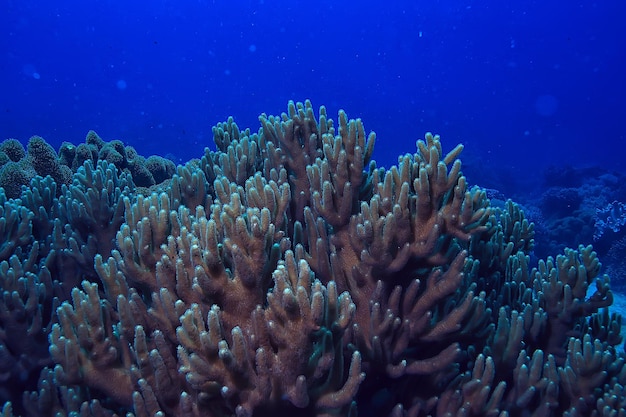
(285,273)
(44,160)
(160,168)
(15,175)
(13,149)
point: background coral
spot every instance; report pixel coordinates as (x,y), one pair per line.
(19,166)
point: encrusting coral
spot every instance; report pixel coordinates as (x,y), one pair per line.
(285,272)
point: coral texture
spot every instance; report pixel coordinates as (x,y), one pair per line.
(285,273)
(18,167)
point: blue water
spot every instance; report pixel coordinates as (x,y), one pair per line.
(522,85)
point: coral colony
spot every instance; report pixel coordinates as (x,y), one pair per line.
(612,217)
(286,274)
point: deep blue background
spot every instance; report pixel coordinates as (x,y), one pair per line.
(523,86)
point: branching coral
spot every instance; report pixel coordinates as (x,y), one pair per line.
(286,273)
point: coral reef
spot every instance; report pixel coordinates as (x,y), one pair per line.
(610,235)
(18,166)
(612,217)
(285,272)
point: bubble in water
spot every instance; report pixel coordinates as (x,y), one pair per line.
(121,84)
(252,48)
(30,71)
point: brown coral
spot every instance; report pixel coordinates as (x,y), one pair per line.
(286,273)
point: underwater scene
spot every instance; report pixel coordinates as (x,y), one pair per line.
(312,208)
